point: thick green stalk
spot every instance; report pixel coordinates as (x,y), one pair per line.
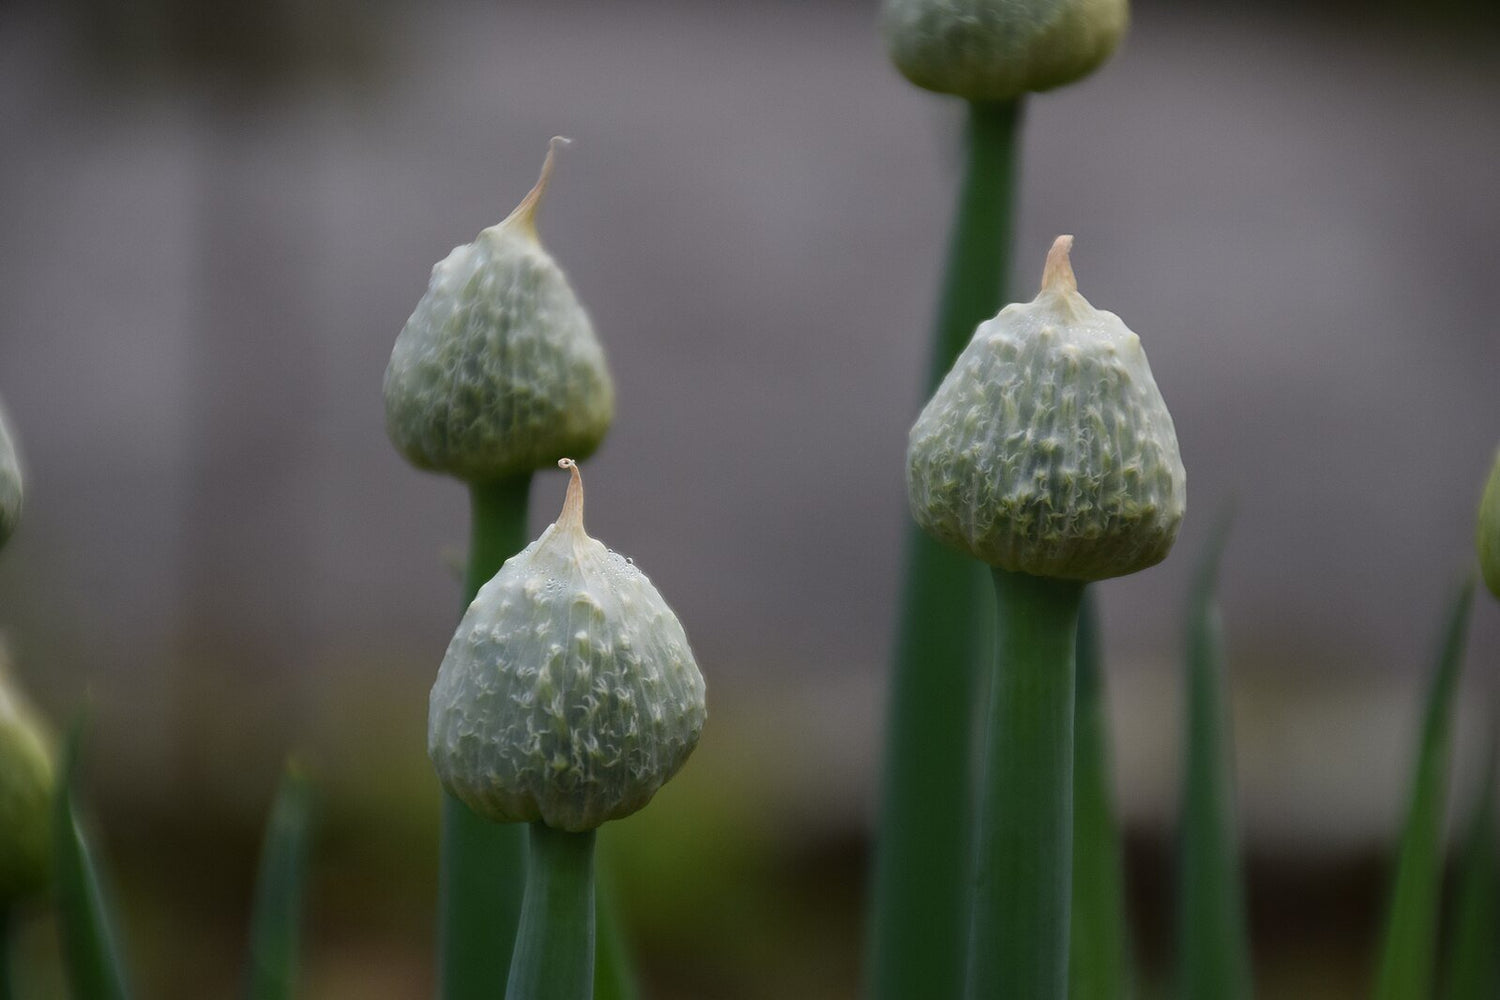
(554,957)
(483,864)
(1473,959)
(1018,945)
(1213,941)
(920,918)
(1408,954)
(1099,941)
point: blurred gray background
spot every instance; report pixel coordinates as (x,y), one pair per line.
(210,236)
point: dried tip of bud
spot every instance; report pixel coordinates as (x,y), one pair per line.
(525,213)
(1058,275)
(572,510)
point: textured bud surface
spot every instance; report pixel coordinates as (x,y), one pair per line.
(568,693)
(498,371)
(996,50)
(1488,541)
(26,783)
(1048,449)
(10,482)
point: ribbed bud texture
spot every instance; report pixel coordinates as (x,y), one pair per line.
(1048,448)
(498,371)
(568,693)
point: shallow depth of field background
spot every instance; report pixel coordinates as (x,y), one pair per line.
(213,222)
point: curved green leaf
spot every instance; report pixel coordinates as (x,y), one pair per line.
(1408,962)
(276,923)
(1213,941)
(1474,949)
(91,954)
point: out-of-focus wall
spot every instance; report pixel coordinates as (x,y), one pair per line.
(201,283)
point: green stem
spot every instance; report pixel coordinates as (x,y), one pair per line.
(920,879)
(554,957)
(1018,946)
(1099,966)
(483,864)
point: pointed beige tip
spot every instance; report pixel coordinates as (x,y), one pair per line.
(572,510)
(1058,276)
(525,213)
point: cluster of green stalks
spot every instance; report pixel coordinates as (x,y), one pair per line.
(1042,913)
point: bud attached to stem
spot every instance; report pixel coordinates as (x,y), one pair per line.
(498,372)
(568,694)
(1048,449)
(997,50)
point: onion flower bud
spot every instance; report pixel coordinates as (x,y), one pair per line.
(568,694)
(498,372)
(997,50)
(1048,449)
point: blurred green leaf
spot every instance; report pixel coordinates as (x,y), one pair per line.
(276,924)
(95,970)
(1474,948)
(1213,942)
(614,969)
(1408,952)
(1099,951)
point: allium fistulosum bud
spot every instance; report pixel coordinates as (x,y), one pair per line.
(498,371)
(568,694)
(1048,449)
(997,50)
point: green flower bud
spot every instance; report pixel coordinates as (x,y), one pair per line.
(1048,449)
(10,482)
(1488,541)
(997,50)
(26,787)
(568,693)
(498,371)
